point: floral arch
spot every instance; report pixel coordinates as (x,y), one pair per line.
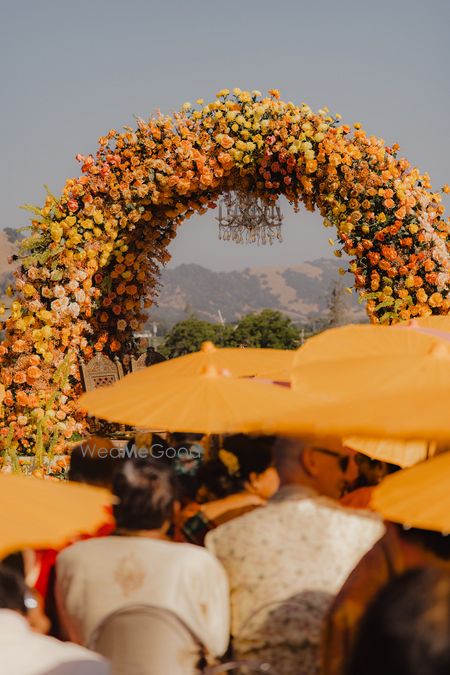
(89,270)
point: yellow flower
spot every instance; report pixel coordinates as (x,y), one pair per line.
(98,217)
(56,232)
(200,101)
(222,92)
(245,97)
(28,290)
(230,461)
(186,106)
(236,91)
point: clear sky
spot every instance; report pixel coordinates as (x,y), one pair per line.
(72,70)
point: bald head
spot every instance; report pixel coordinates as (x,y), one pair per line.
(322,465)
(288,458)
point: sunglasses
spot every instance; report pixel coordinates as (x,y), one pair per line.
(343,460)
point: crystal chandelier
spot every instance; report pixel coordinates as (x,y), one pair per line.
(246,219)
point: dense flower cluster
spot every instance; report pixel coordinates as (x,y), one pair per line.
(89,269)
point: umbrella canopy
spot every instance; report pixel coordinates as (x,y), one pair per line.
(41,513)
(240,362)
(209,402)
(404,396)
(417,497)
(439,326)
(357,360)
(399,452)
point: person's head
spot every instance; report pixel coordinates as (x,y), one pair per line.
(371,471)
(146,492)
(324,465)
(94,461)
(244,463)
(13,591)
(406,629)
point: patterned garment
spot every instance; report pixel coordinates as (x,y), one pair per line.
(285,563)
(100,576)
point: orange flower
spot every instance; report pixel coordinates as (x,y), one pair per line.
(19,377)
(226,141)
(33,373)
(115,345)
(22,398)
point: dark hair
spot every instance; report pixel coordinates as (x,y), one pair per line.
(406,629)
(94,461)
(146,490)
(253,454)
(435,542)
(12,590)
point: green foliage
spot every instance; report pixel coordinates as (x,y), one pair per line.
(269,328)
(187,336)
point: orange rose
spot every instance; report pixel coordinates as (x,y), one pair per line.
(33,373)
(22,398)
(115,345)
(19,377)
(8,400)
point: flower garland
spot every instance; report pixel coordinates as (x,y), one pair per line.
(89,270)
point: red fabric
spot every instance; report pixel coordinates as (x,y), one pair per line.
(358,499)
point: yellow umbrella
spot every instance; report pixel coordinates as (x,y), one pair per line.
(238,361)
(209,402)
(41,513)
(417,497)
(355,360)
(402,453)
(439,326)
(404,397)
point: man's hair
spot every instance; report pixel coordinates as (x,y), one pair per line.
(12,590)
(406,629)
(146,489)
(92,462)
(254,454)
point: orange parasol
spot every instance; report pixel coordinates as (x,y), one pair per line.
(41,513)
(417,497)
(208,402)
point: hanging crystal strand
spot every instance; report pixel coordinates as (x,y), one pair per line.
(245,218)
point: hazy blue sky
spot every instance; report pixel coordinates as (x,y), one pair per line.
(72,70)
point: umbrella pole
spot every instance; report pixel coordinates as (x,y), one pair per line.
(207,447)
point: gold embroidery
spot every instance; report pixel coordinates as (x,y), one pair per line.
(130,573)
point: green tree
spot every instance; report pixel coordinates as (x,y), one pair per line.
(188,335)
(269,328)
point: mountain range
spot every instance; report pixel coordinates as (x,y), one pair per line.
(302,291)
